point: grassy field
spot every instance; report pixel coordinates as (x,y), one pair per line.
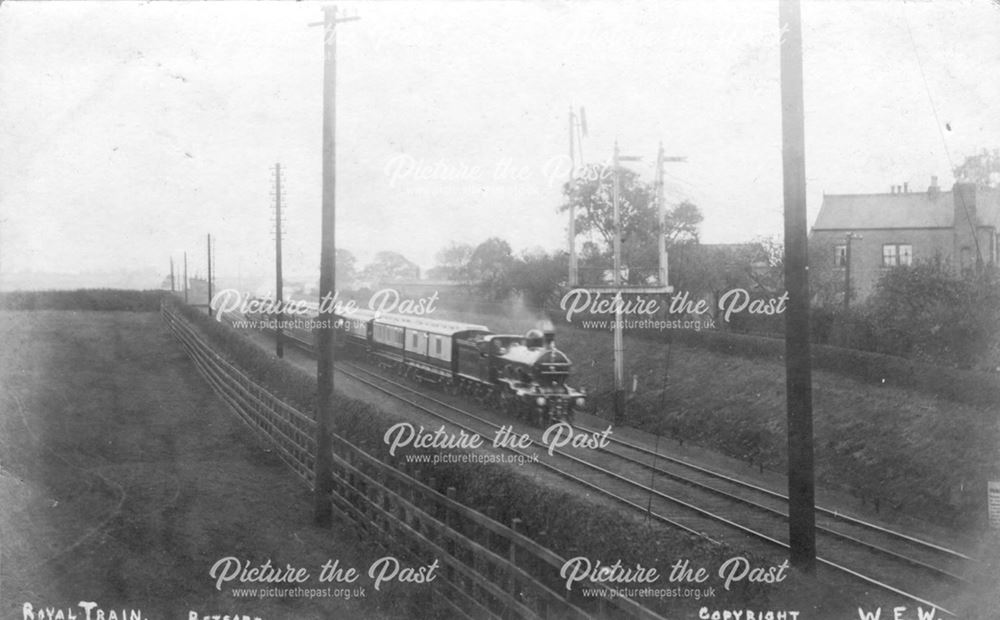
(124,479)
(895,450)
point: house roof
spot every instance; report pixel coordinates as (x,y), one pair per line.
(901,210)
(908,210)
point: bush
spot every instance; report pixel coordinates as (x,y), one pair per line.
(926,312)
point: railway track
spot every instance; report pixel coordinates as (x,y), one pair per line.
(719,508)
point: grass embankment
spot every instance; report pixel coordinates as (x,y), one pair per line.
(569,523)
(84,299)
(892,447)
(125,479)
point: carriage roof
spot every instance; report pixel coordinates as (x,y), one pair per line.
(434,326)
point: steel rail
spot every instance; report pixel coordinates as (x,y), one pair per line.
(707,514)
(826,511)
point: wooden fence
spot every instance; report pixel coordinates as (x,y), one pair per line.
(486,569)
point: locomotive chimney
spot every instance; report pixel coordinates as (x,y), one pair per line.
(550,333)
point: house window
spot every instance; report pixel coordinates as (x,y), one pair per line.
(889,256)
(906,254)
(840,256)
(895,254)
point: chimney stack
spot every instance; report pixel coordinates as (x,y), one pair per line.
(933,190)
(906,188)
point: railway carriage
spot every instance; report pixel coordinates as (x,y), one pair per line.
(354,329)
(422,348)
(524,375)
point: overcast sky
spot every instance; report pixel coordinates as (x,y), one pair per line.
(128,131)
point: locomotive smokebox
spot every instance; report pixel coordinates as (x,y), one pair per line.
(550,333)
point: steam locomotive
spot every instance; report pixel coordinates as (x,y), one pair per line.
(523,375)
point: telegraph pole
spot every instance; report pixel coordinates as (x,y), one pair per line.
(171,274)
(573,274)
(798,370)
(576,123)
(662,207)
(209,239)
(847,269)
(185,277)
(323,510)
(619,345)
(278,287)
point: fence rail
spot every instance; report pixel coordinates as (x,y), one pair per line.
(486,569)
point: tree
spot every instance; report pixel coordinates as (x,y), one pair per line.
(982,169)
(926,311)
(591,194)
(388,266)
(451,262)
(682,223)
(489,268)
(709,271)
(346,268)
(538,275)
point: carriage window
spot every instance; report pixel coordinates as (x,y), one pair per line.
(415,339)
(437,345)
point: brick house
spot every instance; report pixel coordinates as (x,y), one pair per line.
(902,227)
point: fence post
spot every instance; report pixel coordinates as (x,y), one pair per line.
(450,519)
(515,526)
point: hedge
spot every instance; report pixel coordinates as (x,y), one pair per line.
(84,299)
(964,386)
(572,524)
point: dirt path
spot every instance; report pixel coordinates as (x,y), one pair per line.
(123,479)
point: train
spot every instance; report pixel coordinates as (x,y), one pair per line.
(524,375)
